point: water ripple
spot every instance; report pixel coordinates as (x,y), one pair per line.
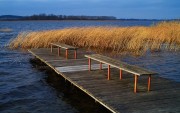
(24,89)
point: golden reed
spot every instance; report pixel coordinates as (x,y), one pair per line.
(136,39)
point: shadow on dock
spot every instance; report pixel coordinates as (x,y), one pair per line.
(68,92)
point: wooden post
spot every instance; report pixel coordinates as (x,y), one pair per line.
(120,74)
(89,64)
(100,66)
(51,48)
(109,72)
(59,51)
(135,83)
(66,53)
(149,82)
(75,54)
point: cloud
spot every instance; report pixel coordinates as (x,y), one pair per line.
(24,0)
(119,8)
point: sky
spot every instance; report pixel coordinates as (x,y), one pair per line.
(138,9)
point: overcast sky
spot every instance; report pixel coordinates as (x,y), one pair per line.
(142,9)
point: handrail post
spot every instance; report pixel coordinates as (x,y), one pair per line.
(75,54)
(149,83)
(89,64)
(66,53)
(51,48)
(109,72)
(59,51)
(135,83)
(120,74)
(100,65)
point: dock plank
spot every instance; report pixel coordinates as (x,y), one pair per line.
(116,95)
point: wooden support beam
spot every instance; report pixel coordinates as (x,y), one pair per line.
(59,51)
(100,65)
(149,83)
(51,48)
(75,54)
(109,72)
(89,64)
(120,75)
(135,83)
(66,53)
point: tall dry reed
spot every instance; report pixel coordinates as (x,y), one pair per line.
(137,39)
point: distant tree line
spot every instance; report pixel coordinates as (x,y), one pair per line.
(64,17)
(55,17)
(71,17)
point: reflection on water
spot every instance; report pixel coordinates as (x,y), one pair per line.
(26,86)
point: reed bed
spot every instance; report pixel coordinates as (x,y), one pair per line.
(136,39)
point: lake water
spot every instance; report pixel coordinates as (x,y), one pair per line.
(27,87)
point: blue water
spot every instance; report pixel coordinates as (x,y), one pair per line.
(25,87)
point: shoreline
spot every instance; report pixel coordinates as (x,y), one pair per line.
(81,20)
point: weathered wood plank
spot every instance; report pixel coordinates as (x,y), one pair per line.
(116,95)
(65,46)
(121,65)
(79,68)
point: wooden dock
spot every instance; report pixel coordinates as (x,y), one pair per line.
(116,95)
